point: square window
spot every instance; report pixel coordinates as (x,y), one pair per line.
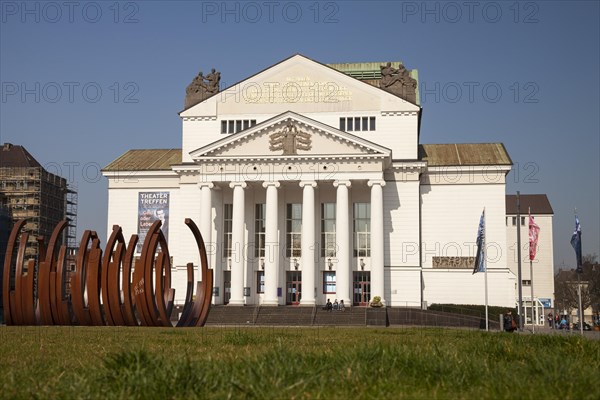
(246,124)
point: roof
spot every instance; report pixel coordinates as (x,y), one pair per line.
(539,204)
(15,156)
(308,58)
(462,154)
(146,160)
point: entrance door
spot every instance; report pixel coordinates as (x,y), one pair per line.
(226,286)
(362,288)
(293,287)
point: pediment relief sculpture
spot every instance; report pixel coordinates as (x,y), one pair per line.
(290,140)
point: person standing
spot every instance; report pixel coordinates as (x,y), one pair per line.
(509,322)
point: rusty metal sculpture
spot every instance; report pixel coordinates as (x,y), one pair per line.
(105,288)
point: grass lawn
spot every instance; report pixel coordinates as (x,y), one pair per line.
(273,363)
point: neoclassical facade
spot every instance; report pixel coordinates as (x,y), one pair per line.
(309,182)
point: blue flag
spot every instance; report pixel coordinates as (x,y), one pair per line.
(576,243)
(480,257)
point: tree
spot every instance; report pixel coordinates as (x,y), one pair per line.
(591,274)
(590,259)
(566,289)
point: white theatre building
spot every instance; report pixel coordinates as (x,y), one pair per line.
(309,182)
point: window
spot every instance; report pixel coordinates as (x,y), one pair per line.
(328,245)
(227,228)
(522,221)
(514,221)
(329,282)
(357,124)
(260,281)
(526,282)
(237,125)
(293,241)
(259,230)
(362,229)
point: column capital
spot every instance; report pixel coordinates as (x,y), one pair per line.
(209,185)
(379,182)
(234,184)
(346,183)
(308,183)
(267,184)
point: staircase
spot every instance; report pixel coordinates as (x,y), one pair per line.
(290,315)
(351,316)
(231,315)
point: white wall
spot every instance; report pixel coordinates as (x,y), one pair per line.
(543,265)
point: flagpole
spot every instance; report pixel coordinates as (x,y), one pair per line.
(520,306)
(487,328)
(533,316)
(579,269)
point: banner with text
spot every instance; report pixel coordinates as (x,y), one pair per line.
(151,207)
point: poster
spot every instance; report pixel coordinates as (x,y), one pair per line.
(152,206)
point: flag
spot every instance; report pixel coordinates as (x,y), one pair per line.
(480,257)
(534,231)
(576,243)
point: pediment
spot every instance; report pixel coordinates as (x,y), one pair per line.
(290,135)
(303,85)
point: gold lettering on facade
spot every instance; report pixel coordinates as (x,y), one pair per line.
(453,262)
(295,90)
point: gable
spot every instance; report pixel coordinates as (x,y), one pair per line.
(290,135)
(304,86)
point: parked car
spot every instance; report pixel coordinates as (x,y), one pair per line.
(586,326)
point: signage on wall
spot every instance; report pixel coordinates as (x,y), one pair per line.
(152,206)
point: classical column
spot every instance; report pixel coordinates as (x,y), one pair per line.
(377,275)
(206,229)
(342,238)
(271,245)
(237,244)
(308,244)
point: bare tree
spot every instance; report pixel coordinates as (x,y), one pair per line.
(591,274)
(566,290)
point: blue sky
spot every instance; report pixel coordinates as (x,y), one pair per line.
(83,82)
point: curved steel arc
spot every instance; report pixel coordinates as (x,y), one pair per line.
(6,273)
(105,289)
